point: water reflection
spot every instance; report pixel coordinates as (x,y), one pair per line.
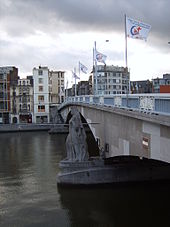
(29,195)
(28,192)
(122,205)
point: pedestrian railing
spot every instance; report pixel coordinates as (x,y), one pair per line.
(150,103)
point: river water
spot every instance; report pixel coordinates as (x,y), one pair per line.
(29,195)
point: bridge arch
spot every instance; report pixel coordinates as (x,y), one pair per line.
(93,147)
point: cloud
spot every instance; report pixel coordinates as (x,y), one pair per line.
(34,31)
(22,17)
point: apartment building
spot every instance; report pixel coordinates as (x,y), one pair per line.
(41,94)
(22,101)
(8,78)
(83,88)
(161,85)
(57,87)
(110,80)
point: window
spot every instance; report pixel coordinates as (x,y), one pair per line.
(40,88)
(24,98)
(40,80)
(1,76)
(41,98)
(40,72)
(41,108)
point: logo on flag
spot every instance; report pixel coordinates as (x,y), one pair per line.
(136,29)
(83,68)
(100,57)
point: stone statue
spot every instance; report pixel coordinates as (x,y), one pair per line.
(76,145)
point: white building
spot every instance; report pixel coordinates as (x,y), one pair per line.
(110,80)
(41,95)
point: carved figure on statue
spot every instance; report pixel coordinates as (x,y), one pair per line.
(76,145)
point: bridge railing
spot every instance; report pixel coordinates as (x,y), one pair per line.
(151,103)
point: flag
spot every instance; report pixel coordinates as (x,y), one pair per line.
(136,29)
(75,75)
(100,57)
(83,68)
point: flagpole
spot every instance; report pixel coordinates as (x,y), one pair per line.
(126,51)
(126,62)
(79,69)
(93,71)
(75,81)
(95,66)
(66,89)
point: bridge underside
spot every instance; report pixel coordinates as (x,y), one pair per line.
(121,133)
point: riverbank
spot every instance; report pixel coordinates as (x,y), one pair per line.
(58,128)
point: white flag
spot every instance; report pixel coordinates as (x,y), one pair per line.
(136,29)
(75,75)
(100,57)
(83,68)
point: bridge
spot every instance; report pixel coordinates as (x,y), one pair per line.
(132,124)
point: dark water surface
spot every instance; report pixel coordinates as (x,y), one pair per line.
(29,195)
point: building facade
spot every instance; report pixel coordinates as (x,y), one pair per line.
(41,95)
(57,87)
(8,78)
(22,101)
(110,80)
(83,88)
(142,86)
(167,78)
(157,82)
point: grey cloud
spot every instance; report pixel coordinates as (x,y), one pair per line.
(19,18)
(100,15)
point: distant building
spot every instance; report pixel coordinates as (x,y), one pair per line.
(41,95)
(56,87)
(167,78)
(72,90)
(157,83)
(142,86)
(83,88)
(8,78)
(111,80)
(165,88)
(69,92)
(22,101)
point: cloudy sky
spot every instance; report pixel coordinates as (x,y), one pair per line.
(60,33)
